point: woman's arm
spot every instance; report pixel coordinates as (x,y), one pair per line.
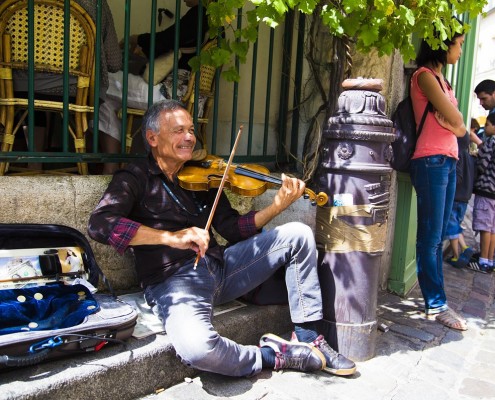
(447,114)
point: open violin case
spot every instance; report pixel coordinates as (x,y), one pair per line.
(49,305)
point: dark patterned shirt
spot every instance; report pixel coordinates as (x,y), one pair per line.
(485,163)
(139,195)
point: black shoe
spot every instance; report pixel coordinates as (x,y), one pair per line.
(479,267)
(336,363)
(293,355)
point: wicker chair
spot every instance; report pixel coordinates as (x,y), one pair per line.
(48,57)
(206,89)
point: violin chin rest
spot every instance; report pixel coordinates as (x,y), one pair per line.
(199,155)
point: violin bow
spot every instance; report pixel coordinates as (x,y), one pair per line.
(220,188)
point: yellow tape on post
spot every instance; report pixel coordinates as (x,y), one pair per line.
(337,235)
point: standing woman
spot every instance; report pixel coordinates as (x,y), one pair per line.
(433,171)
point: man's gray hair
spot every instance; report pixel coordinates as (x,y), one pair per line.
(151,119)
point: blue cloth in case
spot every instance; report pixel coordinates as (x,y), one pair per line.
(53,306)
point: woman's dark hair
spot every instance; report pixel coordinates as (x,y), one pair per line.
(438,56)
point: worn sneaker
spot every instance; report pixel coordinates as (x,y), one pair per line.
(467,253)
(336,363)
(299,356)
(479,267)
(459,263)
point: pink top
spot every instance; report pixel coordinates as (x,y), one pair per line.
(433,139)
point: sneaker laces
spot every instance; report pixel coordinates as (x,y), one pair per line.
(322,345)
(285,362)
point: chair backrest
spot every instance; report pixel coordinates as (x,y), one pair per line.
(206,80)
(206,94)
(207,72)
(49,40)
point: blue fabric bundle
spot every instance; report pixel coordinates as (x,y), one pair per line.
(52,306)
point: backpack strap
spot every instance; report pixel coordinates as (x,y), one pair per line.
(428,105)
(423,119)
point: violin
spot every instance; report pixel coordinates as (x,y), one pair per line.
(248,180)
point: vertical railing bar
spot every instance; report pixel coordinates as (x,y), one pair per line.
(213,149)
(199,41)
(96,103)
(31,75)
(297,85)
(233,129)
(65,125)
(284,86)
(175,75)
(268,92)
(125,74)
(463,94)
(252,97)
(152,52)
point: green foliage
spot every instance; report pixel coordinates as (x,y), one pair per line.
(384,25)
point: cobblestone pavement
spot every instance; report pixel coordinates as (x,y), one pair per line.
(415,359)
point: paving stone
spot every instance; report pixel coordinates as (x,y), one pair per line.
(422,390)
(477,389)
(412,332)
(458,343)
(486,356)
(474,309)
(480,371)
(447,358)
(483,297)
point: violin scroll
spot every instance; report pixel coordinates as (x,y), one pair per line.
(316,199)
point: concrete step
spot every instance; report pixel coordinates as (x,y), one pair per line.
(136,369)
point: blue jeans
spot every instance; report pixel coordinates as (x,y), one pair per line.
(434,179)
(454,228)
(185,300)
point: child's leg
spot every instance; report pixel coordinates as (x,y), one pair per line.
(462,242)
(485,239)
(454,244)
(466,251)
(454,234)
(491,248)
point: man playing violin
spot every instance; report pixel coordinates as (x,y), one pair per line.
(144,209)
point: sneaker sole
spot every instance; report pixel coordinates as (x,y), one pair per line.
(278,339)
(340,372)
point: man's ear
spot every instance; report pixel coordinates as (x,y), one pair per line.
(152,138)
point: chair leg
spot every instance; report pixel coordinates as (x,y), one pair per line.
(80,146)
(8,137)
(128,133)
(80,142)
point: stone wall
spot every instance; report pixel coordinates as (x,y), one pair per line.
(65,200)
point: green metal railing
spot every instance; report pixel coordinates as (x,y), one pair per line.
(267,154)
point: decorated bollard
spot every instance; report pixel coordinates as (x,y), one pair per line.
(354,171)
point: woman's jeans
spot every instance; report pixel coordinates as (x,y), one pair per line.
(185,300)
(434,179)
